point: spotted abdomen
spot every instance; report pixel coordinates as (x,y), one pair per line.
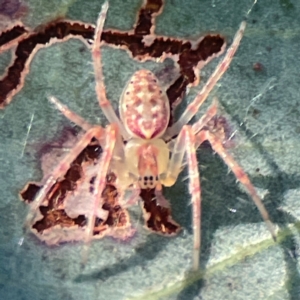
(144,106)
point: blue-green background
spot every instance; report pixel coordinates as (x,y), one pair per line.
(238,255)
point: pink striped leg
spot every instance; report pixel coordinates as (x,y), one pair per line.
(100,86)
(69,114)
(194,106)
(209,114)
(185,143)
(100,181)
(49,180)
(239,173)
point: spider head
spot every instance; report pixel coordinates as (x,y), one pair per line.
(144,106)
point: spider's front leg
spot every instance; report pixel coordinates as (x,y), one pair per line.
(185,144)
(100,86)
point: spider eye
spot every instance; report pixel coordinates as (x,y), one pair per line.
(92,180)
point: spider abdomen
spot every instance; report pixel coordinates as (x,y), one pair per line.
(144,106)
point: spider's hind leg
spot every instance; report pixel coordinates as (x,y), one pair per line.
(100,86)
(239,173)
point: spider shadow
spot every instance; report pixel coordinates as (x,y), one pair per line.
(215,212)
(146,252)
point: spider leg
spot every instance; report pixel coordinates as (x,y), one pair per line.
(100,181)
(194,106)
(49,180)
(208,115)
(100,86)
(69,114)
(185,143)
(239,173)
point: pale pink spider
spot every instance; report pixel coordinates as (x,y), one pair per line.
(140,148)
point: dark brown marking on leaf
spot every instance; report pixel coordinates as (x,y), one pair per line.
(74,173)
(258,67)
(53,214)
(117,216)
(29,192)
(10,35)
(208,47)
(53,217)
(93,151)
(12,81)
(159,220)
(255,113)
(146,16)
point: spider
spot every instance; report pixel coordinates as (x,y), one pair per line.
(140,148)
